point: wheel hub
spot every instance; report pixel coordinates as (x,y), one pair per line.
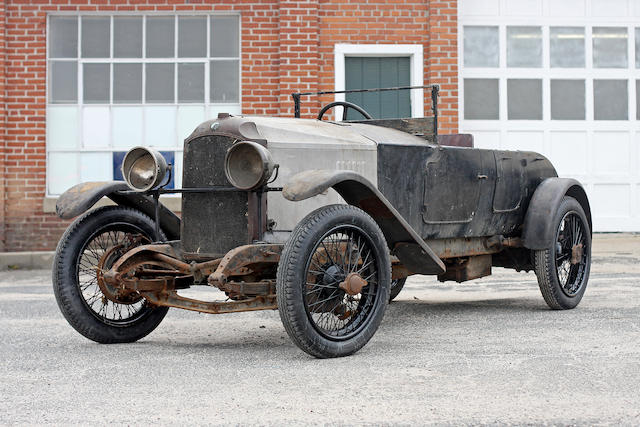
(576,253)
(112,293)
(353,284)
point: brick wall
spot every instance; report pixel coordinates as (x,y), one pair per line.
(286,46)
(441,56)
(3,19)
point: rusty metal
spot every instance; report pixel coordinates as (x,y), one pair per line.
(243,289)
(399,271)
(456,140)
(353,284)
(461,269)
(172,299)
(576,253)
(156,272)
(471,246)
(244,260)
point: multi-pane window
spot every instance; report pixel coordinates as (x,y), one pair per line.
(115,82)
(566,68)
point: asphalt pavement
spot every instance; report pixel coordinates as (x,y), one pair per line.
(487,351)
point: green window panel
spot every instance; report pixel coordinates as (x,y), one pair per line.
(372,72)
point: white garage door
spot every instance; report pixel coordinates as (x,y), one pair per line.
(561,78)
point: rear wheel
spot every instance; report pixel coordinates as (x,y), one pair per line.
(396,287)
(89,247)
(333,281)
(563,267)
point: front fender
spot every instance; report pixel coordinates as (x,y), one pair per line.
(538,229)
(81,197)
(356,190)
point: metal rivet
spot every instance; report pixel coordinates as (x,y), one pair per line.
(215,125)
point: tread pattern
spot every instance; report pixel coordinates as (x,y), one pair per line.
(289,294)
(544,263)
(67,293)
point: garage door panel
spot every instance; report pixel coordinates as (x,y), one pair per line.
(584,111)
(524,7)
(569,153)
(486,139)
(566,8)
(480,7)
(609,8)
(525,141)
(611,153)
(610,201)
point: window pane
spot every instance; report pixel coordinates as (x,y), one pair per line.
(63,82)
(224,81)
(160,126)
(524,99)
(637,99)
(481,47)
(160,37)
(192,36)
(610,100)
(190,82)
(609,47)
(126,126)
(95,37)
(63,37)
(159,83)
(481,99)
(524,47)
(567,99)
(224,36)
(127,83)
(127,37)
(567,47)
(95,83)
(62,171)
(62,127)
(95,167)
(637,47)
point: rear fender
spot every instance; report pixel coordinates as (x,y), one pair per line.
(82,197)
(538,229)
(356,190)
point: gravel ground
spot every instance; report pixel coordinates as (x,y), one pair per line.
(483,352)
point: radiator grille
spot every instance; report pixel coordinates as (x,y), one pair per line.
(212,223)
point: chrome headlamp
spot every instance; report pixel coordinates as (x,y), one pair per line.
(248,165)
(144,168)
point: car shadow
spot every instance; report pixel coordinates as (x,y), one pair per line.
(400,313)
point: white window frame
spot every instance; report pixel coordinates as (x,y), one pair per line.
(416,67)
(210,107)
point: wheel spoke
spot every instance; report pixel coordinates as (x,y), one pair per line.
(90,257)
(333,312)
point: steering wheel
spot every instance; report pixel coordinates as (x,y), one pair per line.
(346,106)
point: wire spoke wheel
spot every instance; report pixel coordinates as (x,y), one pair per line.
(337,311)
(333,278)
(91,245)
(97,256)
(562,268)
(571,253)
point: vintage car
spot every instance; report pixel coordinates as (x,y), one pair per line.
(321,220)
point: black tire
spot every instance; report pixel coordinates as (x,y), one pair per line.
(396,287)
(75,282)
(304,295)
(563,268)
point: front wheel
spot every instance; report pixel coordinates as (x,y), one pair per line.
(91,245)
(563,267)
(333,281)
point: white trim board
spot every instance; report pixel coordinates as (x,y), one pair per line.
(413,51)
